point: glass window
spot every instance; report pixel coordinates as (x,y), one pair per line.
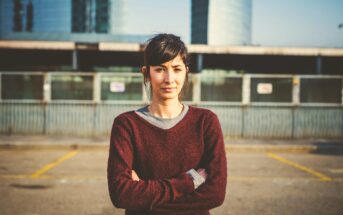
(328,90)
(271,89)
(114,87)
(22,86)
(221,88)
(71,87)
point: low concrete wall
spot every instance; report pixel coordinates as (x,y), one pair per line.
(237,121)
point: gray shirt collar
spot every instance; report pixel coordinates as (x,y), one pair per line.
(162,122)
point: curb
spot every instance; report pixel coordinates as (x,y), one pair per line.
(268,148)
(84,147)
(330,149)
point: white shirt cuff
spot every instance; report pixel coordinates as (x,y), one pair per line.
(197,178)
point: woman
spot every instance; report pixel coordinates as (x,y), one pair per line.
(167,157)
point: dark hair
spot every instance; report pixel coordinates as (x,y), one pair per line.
(162,48)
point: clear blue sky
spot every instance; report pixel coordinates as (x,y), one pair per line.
(309,23)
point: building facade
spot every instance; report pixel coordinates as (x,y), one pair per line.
(221,22)
(76,20)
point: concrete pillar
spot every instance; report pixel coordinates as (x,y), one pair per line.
(196,80)
(246,89)
(319,65)
(75,60)
(96,88)
(296,90)
(47,87)
(145,94)
(200,63)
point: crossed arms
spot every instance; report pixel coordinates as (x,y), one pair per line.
(176,194)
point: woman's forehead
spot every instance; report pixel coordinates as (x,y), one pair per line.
(177,61)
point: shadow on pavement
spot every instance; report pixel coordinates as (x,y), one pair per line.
(328,147)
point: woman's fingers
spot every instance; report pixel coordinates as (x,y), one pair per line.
(134,176)
(202,172)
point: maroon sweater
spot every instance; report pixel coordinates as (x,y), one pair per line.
(161,158)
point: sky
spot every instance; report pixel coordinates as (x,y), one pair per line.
(292,23)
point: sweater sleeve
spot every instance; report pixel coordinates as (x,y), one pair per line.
(211,194)
(137,195)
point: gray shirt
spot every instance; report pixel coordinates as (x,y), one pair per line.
(164,123)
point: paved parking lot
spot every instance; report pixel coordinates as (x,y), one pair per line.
(36,182)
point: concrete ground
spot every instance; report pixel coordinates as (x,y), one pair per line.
(38,177)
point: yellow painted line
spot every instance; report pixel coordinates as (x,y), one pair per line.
(24,177)
(49,166)
(321,176)
(253,178)
(103,178)
(77,177)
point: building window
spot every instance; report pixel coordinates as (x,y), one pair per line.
(17,16)
(71,87)
(314,90)
(22,86)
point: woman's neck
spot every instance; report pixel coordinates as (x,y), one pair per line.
(165,109)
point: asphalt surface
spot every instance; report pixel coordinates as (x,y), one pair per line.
(60,175)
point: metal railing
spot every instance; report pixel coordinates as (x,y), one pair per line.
(219,89)
(264,106)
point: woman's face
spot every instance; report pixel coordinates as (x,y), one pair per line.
(167,79)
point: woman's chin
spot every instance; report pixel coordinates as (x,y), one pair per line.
(168,96)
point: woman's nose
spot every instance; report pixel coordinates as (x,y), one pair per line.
(169,76)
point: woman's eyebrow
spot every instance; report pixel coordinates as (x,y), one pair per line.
(177,65)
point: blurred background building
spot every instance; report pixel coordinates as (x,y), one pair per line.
(221,22)
(68,67)
(65,20)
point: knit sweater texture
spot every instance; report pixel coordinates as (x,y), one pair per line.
(161,158)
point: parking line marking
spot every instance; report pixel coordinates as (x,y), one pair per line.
(53,164)
(102,177)
(321,176)
(271,178)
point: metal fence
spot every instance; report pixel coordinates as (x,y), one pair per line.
(265,106)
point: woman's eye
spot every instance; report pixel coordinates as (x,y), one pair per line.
(159,69)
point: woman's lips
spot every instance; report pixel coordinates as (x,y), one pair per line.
(169,89)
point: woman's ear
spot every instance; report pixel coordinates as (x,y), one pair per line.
(187,69)
(144,70)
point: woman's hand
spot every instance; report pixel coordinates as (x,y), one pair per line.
(202,172)
(134,176)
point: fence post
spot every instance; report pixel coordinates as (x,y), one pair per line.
(246,89)
(196,80)
(319,65)
(296,90)
(96,87)
(47,87)
(145,93)
(46,100)
(295,100)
